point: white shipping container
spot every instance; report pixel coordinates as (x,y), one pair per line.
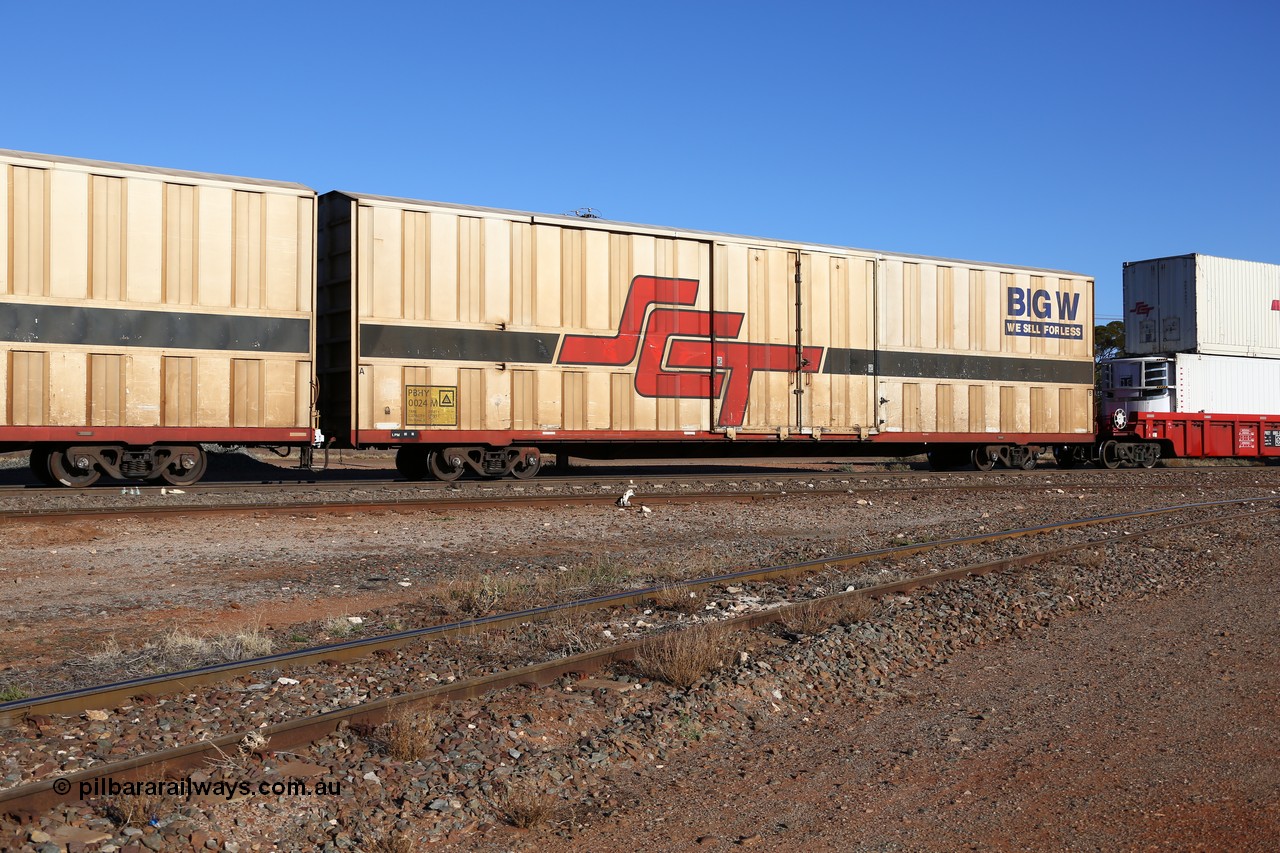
(1191,383)
(1203,304)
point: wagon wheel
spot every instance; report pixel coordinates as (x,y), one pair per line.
(63,470)
(1109,454)
(175,475)
(442,468)
(411,462)
(527,468)
(982,460)
(1150,457)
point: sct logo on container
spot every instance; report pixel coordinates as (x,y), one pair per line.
(1044,311)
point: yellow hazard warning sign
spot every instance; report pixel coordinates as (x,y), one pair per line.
(430,405)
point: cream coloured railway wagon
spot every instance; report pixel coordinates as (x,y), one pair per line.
(143,311)
(478,338)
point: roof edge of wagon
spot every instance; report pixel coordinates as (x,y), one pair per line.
(608,224)
(1185,255)
(58,159)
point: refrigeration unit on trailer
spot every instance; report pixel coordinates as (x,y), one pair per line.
(1192,405)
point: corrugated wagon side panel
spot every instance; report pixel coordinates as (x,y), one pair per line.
(118,269)
(68,378)
(29,235)
(213,403)
(144,389)
(947,415)
(284,244)
(1227,384)
(228,264)
(450,291)
(108,216)
(546,276)
(143,239)
(6,384)
(548,327)
(499,272)
(841,400)
(991,336)
(178,380)
(281,391)
(6,276)
(1237,308)
(770,319)
(106,390)
(28,388)
(815,310)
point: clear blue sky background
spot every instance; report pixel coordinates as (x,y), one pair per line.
(1073,136)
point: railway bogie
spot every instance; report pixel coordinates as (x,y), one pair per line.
(78,466)
(418,462)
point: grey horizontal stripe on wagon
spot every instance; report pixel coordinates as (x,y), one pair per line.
(27,323)
(978,368)
(418,342)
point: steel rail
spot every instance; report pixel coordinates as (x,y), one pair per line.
(417,504)
(455,501)
(587,478)
(37,796)
(79,700)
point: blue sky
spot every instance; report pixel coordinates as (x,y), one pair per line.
(1072,136)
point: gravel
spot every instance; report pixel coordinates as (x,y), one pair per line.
(596,746)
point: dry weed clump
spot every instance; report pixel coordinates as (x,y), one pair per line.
(525,805)
(680,658)
(393,844)
(338,627)
(489,593)
(603,572)
(851,611)
(814,617)
(679,600)
(236,764)
(1095,559)
(563,633)
(143,800)
(411,735)
(873,577)
(1064,580)
(179,650)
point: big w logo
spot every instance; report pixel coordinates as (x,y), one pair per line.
(678,347)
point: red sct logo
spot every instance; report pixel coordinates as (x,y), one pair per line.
(1143,308)
(678,347)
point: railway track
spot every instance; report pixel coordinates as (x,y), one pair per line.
(582,478)
(350,496)
(44,792)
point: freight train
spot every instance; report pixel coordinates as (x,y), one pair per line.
(145,313)
(1202,376)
